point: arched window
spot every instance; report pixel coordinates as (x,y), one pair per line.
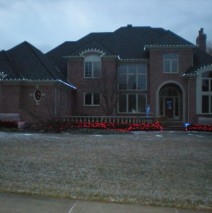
(92,66)
(170,63)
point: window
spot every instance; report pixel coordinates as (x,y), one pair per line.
(92,66)
(133,77)
(92,99)
(170,63)
(206,92)
(132,103)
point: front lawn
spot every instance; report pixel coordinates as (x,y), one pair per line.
(155,168)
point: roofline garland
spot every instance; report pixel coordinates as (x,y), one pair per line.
(90,50)
(196,72)
(158,46)
(38,80)
(133,59)
(112,56)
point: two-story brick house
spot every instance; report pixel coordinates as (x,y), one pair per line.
(121,72)
(118,73)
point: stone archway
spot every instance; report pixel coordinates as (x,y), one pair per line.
(171,102)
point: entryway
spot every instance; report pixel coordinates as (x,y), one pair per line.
(170,102)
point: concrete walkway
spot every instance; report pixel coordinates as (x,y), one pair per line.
(16,203)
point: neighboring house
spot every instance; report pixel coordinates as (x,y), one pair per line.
(118,74)
(31,86)
(122,72)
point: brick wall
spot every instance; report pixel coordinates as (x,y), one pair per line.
(76,76)
(17,98)
(157,78)
(9,100)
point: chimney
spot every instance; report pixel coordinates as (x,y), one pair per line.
(201,40)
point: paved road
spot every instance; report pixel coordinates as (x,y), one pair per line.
(16,203)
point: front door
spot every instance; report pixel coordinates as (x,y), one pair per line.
(169,107)
(171,102)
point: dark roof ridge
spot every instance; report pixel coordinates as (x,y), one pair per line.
(65,42)
(35,51)
(168,33)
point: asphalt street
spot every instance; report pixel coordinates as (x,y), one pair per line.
(18,203)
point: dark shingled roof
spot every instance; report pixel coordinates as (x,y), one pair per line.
(25,62)
(6,67)
(126,42)
(92,40)
(201,59)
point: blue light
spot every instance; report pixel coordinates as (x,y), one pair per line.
(187,124)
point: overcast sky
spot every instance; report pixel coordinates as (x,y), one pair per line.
(48,23)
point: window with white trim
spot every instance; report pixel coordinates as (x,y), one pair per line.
(132,103)
(92,66)
(91,99)
(170,63)
(133,77)
(206,97)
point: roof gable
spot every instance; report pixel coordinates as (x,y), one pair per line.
(201,59)
(25,62)
(30,63)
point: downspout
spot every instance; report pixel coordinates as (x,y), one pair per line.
(55,101)
(0,95)
(188,91)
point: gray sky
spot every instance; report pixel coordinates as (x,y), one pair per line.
(48,23)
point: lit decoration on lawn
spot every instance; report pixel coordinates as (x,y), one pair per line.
(123,127)
(59,126)
(198,127)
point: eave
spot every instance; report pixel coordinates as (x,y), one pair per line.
(38,81)
(169,46)
(195,72)
(141,60)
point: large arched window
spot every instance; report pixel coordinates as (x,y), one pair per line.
(170,63)
(92,66)
(206,92)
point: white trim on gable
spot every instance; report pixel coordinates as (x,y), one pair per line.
(199,87)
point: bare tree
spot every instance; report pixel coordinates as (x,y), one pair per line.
(109,91)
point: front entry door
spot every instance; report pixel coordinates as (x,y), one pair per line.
(169,107)
(171,102)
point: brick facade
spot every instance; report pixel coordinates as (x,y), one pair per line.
(75,70)
(18,98)
(156,80)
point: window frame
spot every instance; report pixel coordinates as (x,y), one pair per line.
(92,59)
(168,58)
(92,99)
(128,94)
(206,92)
(128,69)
